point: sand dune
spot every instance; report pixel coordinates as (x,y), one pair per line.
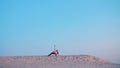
(71,61)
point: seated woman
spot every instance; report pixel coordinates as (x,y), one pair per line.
(55,52)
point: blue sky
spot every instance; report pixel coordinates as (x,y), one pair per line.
(32,27)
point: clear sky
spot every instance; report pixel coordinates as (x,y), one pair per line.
(32,27)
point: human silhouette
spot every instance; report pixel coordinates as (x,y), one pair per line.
(55,52)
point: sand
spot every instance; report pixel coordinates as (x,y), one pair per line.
(68,61)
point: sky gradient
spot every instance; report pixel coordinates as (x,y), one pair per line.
(32,27)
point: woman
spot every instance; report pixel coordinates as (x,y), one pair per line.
(55,52)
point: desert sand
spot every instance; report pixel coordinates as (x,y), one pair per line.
(64,61)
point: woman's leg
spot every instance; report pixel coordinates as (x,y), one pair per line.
(50,54)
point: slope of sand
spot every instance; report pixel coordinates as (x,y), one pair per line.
(71,61)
